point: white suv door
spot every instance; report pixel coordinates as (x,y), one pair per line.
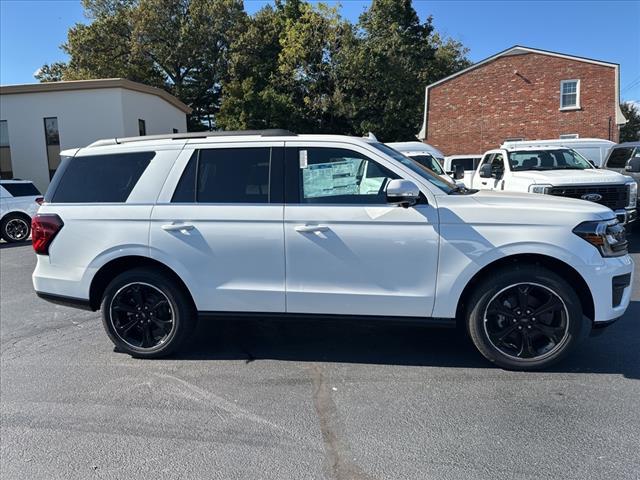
(218,224)
(347,250)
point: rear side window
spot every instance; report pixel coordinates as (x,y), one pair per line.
(619,157)
(226,175)
(99,178)
(467,163)
(21,189)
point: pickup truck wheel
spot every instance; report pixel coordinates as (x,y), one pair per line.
(525,318)
(15,228)
(145,314)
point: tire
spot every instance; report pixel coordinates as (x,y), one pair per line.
(146,314)
(525,318)
(15,227)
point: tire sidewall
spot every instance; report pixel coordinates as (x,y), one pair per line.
(182,312)
(577,328)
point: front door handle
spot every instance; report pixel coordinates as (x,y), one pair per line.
(177,227)
(311,228)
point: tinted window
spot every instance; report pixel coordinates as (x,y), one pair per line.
(429,162)
(21,189)
(226,175)
(99,178)
(467,163)
(619,157)
(334,175)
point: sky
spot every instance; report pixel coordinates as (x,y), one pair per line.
(31,31)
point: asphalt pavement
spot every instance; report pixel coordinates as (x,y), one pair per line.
(258,399)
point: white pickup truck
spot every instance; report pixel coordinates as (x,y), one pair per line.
(555,171)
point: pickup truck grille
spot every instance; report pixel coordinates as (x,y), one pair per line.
(613,196)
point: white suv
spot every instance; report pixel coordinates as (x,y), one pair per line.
(156,231)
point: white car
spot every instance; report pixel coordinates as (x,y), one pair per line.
(421,146)
(555,171)
(418,152)
(19,202)
(158,231)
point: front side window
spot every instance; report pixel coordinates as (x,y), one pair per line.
(416,168)
(558,159)
(6,169)
(620,156)
(98,178)
(226,175)
(497,165)
(52,141)
(340,176)
(570,94)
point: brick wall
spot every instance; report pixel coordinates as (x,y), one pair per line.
(478,110)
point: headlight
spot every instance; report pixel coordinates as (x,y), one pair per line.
(608,236)
(539,188)
(632,194)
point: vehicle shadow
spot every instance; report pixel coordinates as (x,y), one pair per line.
(4,244)
(391,343)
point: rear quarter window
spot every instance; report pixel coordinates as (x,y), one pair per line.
(98,178)
(21,189)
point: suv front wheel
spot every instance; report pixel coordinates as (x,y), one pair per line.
(525,318)
(145,314)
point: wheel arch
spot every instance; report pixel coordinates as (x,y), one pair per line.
(111,269)
(18,213)
(558,266)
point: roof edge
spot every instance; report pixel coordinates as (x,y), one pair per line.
(92,84)
(524,50)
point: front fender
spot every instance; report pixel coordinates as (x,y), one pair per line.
(463,256)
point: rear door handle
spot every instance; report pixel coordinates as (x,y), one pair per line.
(311,228)
(177,227)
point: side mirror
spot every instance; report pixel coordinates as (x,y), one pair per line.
(633,165)
(485,170)
(458,173)
(402,192)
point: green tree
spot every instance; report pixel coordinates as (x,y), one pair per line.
(630,131)
(179,45)
(385,71)
(51,73)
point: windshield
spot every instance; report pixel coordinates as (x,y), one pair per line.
(559,159)
(428,161)
(415,167)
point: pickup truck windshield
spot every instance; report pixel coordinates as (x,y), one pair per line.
(547,159)
(415,167)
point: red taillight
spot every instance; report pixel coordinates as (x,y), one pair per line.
(44,228)
(40,200)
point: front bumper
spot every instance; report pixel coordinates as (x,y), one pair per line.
(611,285)
(626,216)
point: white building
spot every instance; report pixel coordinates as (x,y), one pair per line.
(37,121)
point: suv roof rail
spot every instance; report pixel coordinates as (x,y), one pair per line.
(274,132)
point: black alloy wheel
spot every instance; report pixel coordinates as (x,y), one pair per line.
(141,315)
(526,321)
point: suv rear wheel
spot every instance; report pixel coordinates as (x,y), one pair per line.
(145,314)
(525,318)
(15,227)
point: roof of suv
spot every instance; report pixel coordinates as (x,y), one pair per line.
(627,144)
(218,136)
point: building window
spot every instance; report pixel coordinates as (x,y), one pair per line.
(6,172)
(142,127)
(175,130)
(52,140)
(567,136)
(569,94)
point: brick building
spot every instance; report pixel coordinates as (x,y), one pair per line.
(522,93)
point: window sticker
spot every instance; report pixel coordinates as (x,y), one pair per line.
(330,179)
(303,159)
